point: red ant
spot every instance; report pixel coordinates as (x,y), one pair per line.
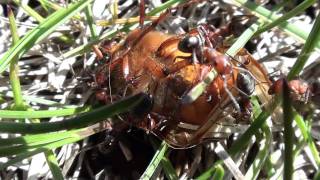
(300,90)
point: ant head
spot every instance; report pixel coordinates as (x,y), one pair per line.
(188,43)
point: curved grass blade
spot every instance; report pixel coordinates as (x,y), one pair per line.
(82,120)
(8,114)
(168,169)
(155,161)
(42,31)
(300,8)
(57,140)
(308,48)
(307,137)
(87,47)
(264,150)
(53,165)
(268,16)
(14,68)
(44,148)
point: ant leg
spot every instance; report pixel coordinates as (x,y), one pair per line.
(142,13)
(204,36)
(244,64)
(219,96)
(241,92)
(233,99)
(194,57)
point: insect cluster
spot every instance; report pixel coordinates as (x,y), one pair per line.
(167,67)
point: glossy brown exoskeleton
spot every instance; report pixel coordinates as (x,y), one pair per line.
(167,67)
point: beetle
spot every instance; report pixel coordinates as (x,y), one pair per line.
(166,67)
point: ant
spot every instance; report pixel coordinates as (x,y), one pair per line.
(299,89)
(204,43)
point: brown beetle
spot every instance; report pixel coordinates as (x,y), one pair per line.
(167,67)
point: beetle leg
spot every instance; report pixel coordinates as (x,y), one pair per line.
(162,17)
(98,52)
(142,13)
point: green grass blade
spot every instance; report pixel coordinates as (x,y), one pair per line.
(8,114)
(268,16)
(242,40)
(307,137)
(219,173)
(18,145)
(245,138)
(264,150)
(93,31)
(41,32)
(44,6)
(53,165)
(33,140)
(14,68)
(299,9)
(36,100)
(109,34)
(65,138)
(157,158)
(44,148)
(317,176)
(169,169)
(212,171)
(29,11)
(288,132)
(82,120)
(308,48)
